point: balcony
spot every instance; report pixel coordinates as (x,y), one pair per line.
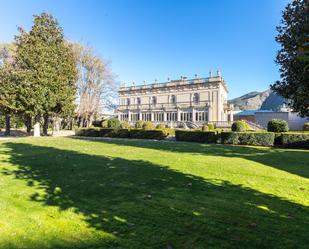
(160,106)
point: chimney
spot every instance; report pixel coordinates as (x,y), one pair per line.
(218,73)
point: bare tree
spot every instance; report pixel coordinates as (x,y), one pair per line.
(96,88)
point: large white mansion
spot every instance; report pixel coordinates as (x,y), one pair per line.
(198,100)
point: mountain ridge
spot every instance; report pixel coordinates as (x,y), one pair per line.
(266,100)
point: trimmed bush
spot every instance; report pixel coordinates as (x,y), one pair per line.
(248,138)
(196,136)
(205,128)
(122,133)
(88,132)
(295,140)
(239,126)
(277,125)
(306,127)
(160,126)
(124,125)
(113,123)
(97,123)
(211,126)
(148,134)
(104,124)
(139,124)
(169,131)
(148,126)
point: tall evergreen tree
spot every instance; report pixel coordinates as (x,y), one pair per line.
(50,71)
(292,33)
(8,85)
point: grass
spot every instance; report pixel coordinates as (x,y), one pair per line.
(70,193)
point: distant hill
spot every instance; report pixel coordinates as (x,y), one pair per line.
(267,100)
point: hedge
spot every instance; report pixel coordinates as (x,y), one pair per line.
(148,134)
(248,138)
(196,136)
(122,133)
(295,140)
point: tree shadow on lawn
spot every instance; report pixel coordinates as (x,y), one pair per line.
(289,160)
(151,206)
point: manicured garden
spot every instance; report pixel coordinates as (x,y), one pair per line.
(83,193)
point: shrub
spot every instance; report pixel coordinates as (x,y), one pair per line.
(169,131)
(248,138)
(295,140)
(277,125)
(97,123)
(211,126)
(113,123)
(160,126)
(148,126)
(139,124)
(196,136)
(122,133)
(124,125)
(148,134)
(205,128)
(306,127)
(88,132)
(239,126)
(104,124)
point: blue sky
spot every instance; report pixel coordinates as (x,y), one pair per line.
(153,39)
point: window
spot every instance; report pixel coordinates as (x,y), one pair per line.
(201,116)
(146,116)
(134,117)
(158,117)
(138,101)
(128,101)
(173,99)
(154,100)
(196,98)
(171,116)
(186,116)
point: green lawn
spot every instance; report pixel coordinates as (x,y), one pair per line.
(70,193)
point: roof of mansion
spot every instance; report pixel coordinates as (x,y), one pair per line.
(183,81)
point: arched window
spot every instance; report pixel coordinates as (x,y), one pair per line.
(196,98)
(154,100)
(173,99)
(138,101)
(128,101)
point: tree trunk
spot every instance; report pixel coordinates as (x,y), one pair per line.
(36,127)
(7,124)
(28,124)
(91,118)
(45,125)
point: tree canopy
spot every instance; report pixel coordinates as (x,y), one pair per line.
(49,86)
(292,36)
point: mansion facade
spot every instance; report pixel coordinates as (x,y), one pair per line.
(198,100)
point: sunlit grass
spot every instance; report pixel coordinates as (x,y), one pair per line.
(70,193)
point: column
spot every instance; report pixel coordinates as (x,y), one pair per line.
(151,117)
(178,114)
(193,114)
(139,115)
(164,116)
(209,114)
(129,116)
